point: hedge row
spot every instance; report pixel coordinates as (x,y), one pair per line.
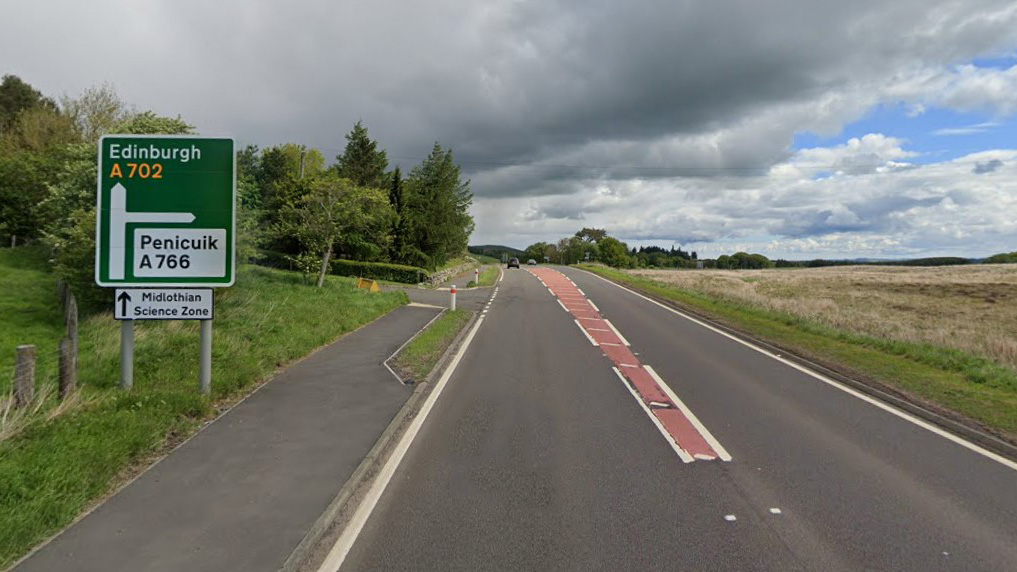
(372,270)
(379,271)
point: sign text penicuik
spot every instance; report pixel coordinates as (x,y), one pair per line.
(165,211)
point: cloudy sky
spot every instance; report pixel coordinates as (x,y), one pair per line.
(789,127)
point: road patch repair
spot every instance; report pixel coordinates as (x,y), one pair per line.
(683,431)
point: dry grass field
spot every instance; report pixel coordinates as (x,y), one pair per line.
(970,308)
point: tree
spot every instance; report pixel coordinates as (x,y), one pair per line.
(592,234)
(17,96)
(148,123)
(337,211)
(614,252)
(37,130)
(397,200)
(362,162)
(537,251)
(436,210)
(98,111)
(1002,258)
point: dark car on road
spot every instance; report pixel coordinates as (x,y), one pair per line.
(513,263)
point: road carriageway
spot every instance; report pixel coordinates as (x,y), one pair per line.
(679,426)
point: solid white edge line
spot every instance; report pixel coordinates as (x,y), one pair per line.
(342,547)
(594,306)
(616,332)
(580,291)
(684,456)
(714,444)
(585,333)
(562,305)
(833,383)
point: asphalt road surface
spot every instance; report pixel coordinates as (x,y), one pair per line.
(548,452)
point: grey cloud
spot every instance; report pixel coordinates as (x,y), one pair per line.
(987,167)
(537,98)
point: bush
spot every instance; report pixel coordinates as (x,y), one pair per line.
(379,271)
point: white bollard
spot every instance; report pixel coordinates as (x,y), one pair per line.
(452,304)
(476,278)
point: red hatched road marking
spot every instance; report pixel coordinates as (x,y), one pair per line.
(691,439)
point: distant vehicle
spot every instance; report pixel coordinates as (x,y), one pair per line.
(513,263)
(531,262)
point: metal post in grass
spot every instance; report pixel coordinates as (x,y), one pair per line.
(24,376)
(206,357)
(126,354)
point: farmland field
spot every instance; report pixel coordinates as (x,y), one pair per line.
(969,308)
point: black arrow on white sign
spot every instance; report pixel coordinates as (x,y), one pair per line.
(124,298)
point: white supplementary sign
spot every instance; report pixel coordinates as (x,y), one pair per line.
(163,304)
(179,252)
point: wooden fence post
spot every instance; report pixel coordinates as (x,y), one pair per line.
(24,376)
(68,368)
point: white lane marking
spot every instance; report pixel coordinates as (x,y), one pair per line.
(774,511)
(580,291)
(627,365)
(685,457)
(419,305)
(610,344)
(501,274)
(730,518)
(616,332)
(562,305)
(714,444)
(429,322)
(588,336)
(599,329)
(592,305)
(703,457)
(342,547)
(833,383)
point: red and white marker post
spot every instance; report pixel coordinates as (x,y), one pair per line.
(452,303)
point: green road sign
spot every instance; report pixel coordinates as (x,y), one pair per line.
(166,211)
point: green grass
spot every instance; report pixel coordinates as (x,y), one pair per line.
(54,469)
(975,387)
(455,262)
(489,275)
(485,259)
(30,312)
(419,357)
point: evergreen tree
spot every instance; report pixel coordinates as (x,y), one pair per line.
(436,210)
(396,198)
(361,161)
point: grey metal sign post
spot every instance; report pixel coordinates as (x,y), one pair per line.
(165,233)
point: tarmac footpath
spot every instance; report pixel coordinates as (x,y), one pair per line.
(244,491)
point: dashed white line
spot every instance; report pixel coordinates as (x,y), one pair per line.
(685,457)
(592,305)
(562,305)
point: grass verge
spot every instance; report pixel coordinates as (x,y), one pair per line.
(947,380)
(419,357)
(30,312)
(489,275)
(58,466)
